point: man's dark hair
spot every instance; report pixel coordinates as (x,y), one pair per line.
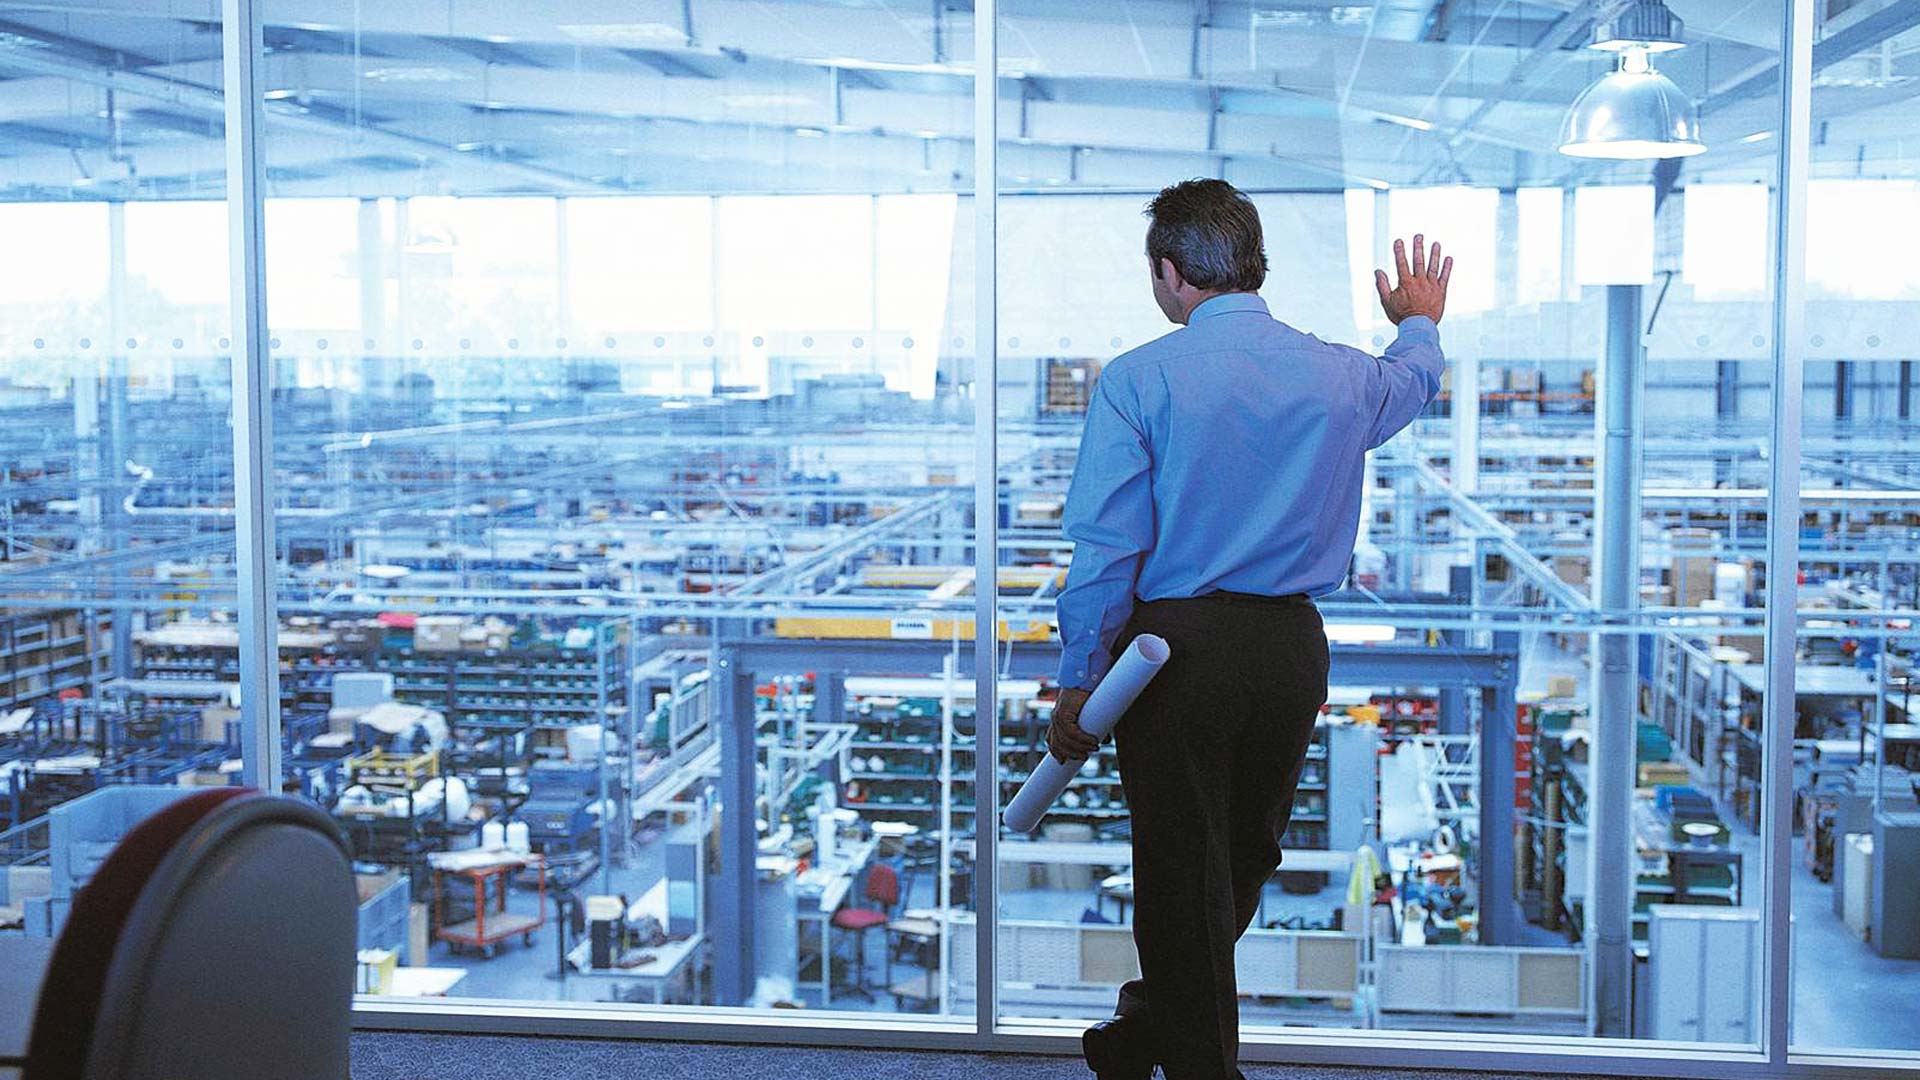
(1211,232)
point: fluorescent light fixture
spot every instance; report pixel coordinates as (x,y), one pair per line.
(763,101)
(1758,136)
(1359,633)
(279,95)
(414,75)
(1415,123)
(615,35)
(810,132)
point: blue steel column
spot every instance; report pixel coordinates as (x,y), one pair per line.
(242,42)
(1616,580)
(1783,520)
(734,886)
(1453,701)
(1499,913)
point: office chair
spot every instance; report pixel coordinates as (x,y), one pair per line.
(883,888)
(215,942)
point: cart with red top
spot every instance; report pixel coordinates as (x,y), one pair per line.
(470,898)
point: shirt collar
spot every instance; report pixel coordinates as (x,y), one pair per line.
(1225,303)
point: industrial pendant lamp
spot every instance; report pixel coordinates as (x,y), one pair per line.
(1634,112)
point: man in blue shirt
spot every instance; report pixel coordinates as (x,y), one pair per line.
(1216,492)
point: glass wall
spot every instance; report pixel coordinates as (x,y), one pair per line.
(622,463)
(1856,959)
(624,369)
(1500,817)
(116,477)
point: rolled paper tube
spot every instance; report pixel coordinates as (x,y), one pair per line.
(1123,682)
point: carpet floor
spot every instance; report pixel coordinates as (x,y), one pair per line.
(410,1056)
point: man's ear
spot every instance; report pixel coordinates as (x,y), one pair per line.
(1168,273)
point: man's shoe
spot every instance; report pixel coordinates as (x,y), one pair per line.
(1118,1049)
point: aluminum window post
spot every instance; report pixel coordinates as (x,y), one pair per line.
(242,44)
(986,514)
(1783,519)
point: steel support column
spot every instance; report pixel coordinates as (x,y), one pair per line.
(1616,584)
(1499,911)
(735,885)
(243,45)
(1454,719)
(113,441)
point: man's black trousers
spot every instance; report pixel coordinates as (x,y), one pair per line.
(1210,755)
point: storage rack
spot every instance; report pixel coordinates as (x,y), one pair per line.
(197,653)
(1555,813)
(44,653)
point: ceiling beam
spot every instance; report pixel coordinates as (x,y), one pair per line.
(206,99)
(1897,17)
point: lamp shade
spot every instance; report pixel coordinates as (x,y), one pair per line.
(1634,113)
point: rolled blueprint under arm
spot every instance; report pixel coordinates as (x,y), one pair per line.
(1123,682)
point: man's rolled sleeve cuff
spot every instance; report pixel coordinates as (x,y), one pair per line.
(1419,326)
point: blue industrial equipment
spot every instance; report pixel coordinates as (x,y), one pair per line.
(559,806)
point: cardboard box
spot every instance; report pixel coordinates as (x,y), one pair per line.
(1693,566)
(438,633)
(1658,773)
(214,720)
(1573,569)
(1562,686)
(416,935)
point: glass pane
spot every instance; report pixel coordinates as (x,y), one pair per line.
(1491,828)
(116,481)
(624,437)
(1857,749)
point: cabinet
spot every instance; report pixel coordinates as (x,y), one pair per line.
(1703,969)
(1895,913)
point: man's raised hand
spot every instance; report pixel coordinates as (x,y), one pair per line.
(1423,286)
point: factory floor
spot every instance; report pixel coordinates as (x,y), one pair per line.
(1845,995)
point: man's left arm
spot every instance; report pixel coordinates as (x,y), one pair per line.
(1406,379)
(1109,517)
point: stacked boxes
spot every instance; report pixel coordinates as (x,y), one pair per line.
(1693,566)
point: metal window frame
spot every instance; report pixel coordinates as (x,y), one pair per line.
(988,1030)
(242,45)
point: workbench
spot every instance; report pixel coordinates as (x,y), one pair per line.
(818,893)
(669,960)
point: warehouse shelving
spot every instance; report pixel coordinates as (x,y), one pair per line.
(43,654)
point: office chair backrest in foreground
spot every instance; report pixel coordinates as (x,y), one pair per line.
(216,942)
